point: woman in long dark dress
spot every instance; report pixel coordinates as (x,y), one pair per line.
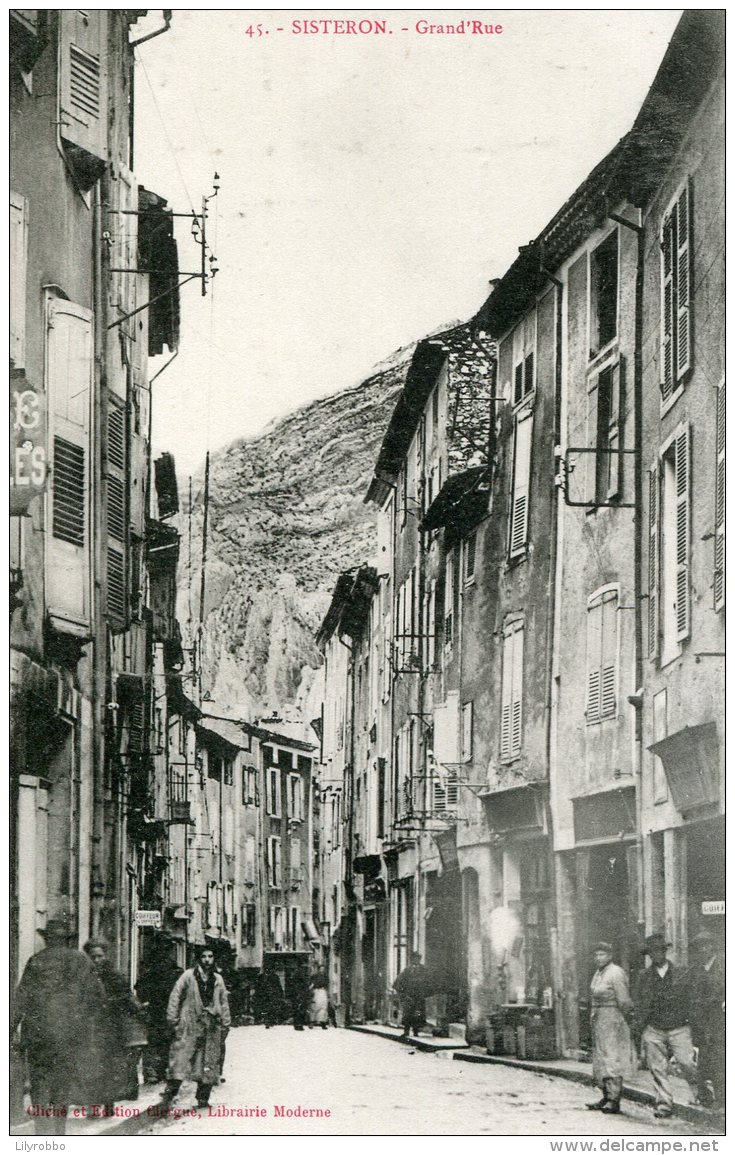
(121,1021)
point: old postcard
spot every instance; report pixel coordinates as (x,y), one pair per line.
(367,573)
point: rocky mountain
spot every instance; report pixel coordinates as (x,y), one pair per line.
(286,516)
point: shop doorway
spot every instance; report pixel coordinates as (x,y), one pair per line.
(445,956)
(606,911)
(705,856)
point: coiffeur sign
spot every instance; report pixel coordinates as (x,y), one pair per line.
(28,457)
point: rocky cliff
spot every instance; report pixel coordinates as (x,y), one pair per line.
(286,516)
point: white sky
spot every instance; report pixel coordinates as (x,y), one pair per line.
(370,186)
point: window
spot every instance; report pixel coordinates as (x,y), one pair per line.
(444,792)
(228,772)
(435,410)
(295,862)
(294,927)
(676,293)
(247,929)
(336,820)
(668,549)
(249,786)
(469,547)
(407,644)
(83,91)
(602,656)
(214,766)
(295,797)
(604,294)
(69,361)
(524,367)
(274,861)
(518,537)
(18,266)
(429,625)
(449,600)
(719,582)
(381,798)
(604,409)
(274,791)
(467,732)
(276,926)
(403,511)
(512,691)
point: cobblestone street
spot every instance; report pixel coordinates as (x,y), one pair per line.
(372,1086)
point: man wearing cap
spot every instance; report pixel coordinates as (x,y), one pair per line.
(707,1018)
(59,1005)
(199,1012)
(662,1013)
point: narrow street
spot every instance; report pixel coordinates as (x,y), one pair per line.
(373,1086)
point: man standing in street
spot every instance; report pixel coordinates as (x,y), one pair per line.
(199,1012)
(412,988)
(707,995)
(59,1005)
(662,1012)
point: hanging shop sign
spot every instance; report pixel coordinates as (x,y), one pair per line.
(714,907)
(148,918)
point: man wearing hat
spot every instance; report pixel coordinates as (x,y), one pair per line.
(707,1018)
(662,1013)
(58,1005)
(198,1012)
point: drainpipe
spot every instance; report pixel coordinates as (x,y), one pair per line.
(636,699)
(99,582)
(348,796)
(550,643)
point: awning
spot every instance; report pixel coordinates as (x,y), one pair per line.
(461,501)
(690,759)
(607,815)
(515,808)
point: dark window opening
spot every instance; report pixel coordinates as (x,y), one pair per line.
(604,294)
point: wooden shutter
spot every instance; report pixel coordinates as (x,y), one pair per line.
(602,656)
(521,483)
(667,306)
(69,383)
(117,513)
(18,269)
(683,471)
(512,691)
(683,283)
(277,861)
(517,715)
(83,90)
(613,439)
(594,649)
(609,655)
(654,543)
(719,582)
